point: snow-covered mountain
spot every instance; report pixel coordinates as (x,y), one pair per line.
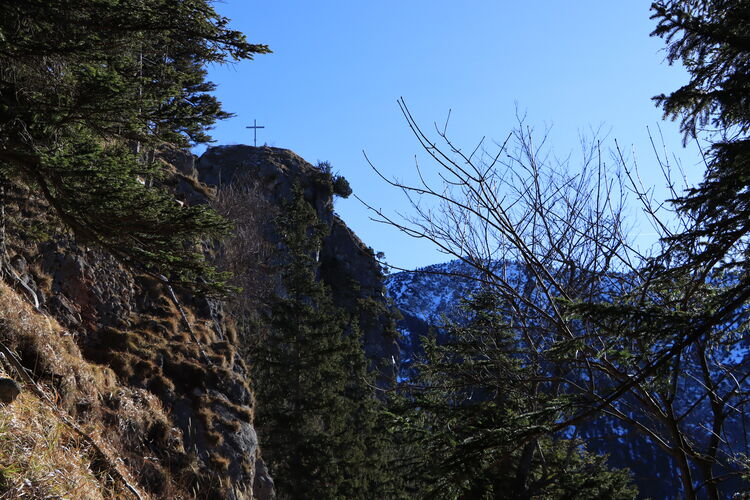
(431,292)
(426,298)
(429,296)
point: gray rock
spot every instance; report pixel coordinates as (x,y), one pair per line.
(347,265)
(263,487)
(9,390)
(184,161)
(19,264)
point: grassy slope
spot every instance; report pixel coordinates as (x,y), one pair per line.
(41,457)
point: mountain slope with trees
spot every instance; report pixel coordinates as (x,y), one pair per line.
(656,342)
(161,308)
(422,297)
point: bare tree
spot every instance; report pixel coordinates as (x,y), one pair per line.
(247,253)
(552,242)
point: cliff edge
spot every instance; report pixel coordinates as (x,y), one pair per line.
(160,378)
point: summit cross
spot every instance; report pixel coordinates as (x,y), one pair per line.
(255,128)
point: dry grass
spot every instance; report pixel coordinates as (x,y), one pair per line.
(40,457)
(51,353)
(155,352)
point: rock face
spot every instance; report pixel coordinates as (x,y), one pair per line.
(347,265)
(127,323)
(193,429)
(9,390)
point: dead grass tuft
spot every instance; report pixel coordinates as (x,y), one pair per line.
(130,421)
(40,457)
(220,463)
(51,353)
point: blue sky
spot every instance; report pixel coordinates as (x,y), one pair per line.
(329,90)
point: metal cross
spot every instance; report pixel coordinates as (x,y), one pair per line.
(255,128)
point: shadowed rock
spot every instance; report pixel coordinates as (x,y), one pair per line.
(9,390)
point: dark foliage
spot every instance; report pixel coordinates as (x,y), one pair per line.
(89,89)
(470,417)
(711,39)
(316,411)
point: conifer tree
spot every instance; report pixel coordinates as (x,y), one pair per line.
(89,90)
(473,415)
(711,39)
(316,408)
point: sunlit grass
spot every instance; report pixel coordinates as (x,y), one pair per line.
(40,457)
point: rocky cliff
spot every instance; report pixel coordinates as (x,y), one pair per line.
(161,377)
(173,399)
(347,265)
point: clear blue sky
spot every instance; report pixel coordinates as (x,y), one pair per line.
(329,90)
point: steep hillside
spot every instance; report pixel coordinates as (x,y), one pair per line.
(346,264)
(430,296)
(199,441)
(160,379)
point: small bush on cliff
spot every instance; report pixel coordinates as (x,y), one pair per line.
(337,184)
(341,186)
(88,91)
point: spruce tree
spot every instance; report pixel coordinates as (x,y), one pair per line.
(89,91)
(316,409)
(711,39)
(474,422)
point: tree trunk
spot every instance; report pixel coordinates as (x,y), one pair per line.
(522,475)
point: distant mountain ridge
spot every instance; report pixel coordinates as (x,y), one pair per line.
(430,292)
(429,296)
